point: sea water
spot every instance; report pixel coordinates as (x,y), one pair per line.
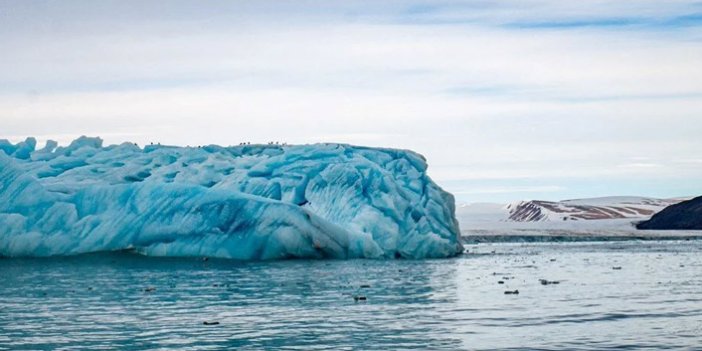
(587,295)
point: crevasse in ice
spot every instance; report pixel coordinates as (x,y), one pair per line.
(245,202)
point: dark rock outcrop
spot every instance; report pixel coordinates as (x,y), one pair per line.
(685,215)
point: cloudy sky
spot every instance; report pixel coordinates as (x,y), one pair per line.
(507,99)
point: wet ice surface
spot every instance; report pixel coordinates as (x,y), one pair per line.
(124,301)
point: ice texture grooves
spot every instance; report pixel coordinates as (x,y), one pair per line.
(246,202)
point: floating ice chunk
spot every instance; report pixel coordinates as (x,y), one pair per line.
(248,202)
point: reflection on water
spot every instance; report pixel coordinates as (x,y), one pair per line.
(123,301)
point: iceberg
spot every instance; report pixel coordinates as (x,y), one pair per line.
(247,202)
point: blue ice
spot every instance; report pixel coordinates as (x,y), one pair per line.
(249,202)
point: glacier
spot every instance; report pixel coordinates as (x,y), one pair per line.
(247,202)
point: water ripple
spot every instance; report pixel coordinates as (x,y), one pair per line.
(121,301)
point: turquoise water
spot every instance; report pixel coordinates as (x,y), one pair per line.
(129,302)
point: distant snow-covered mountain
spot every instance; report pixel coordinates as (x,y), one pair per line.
(615,207)
(603,212)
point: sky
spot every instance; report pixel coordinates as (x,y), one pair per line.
(507,100)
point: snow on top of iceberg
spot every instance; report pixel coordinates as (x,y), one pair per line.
(243,202)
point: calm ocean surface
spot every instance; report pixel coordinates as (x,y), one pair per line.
(128,302)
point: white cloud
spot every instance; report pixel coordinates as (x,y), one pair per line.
(510,189)
(480,99)
(641,165)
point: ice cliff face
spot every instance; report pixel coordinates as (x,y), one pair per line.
(246,202)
